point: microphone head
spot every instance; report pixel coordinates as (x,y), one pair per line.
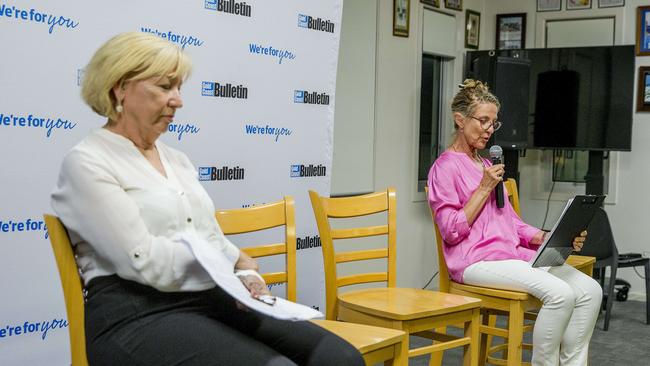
(496,152)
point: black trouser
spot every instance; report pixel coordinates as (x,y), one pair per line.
(131,324)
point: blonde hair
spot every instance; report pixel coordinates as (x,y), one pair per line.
(471,94)
(125,57)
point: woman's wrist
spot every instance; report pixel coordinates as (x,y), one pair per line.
(249,272)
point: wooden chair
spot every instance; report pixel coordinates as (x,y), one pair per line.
(375,344)
(517,306)
(72,288)
(415,311)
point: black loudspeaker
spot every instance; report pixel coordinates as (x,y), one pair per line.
(509,79)
(556,109)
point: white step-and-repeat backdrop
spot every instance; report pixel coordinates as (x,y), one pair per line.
(257,123)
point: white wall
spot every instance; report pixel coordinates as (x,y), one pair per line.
(396,121)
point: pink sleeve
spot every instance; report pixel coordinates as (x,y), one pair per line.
(526,232)
(445,202)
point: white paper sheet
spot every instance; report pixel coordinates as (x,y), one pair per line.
(222,272)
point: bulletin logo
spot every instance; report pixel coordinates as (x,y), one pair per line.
(301,170)
(227,90)
(229,7)
(317,24)
(308,242)
(307,97)
(211,173)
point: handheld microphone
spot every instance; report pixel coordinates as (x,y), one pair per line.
(496,154)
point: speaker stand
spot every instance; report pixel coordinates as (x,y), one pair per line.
(595,181)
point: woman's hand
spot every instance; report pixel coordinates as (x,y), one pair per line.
(579,241)
(491,177)
(255,285)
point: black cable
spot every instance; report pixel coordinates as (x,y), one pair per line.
(637,273)
(548,202)
(430,279)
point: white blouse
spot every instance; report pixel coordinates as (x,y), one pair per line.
(126,218)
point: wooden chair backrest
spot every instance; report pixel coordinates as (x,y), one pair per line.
(444,282)
(349,207)
(72,287)
(256,218)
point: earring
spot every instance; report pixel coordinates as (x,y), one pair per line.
(119,108)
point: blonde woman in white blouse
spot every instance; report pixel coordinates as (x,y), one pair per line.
(132,205)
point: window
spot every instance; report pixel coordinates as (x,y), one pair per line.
(430,102)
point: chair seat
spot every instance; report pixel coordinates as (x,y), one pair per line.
(405,303)
(633,262)
(365,338)
(488,291)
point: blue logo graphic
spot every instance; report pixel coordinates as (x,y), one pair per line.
(179,39)
(32,327)
(211,4)
(317,24)
(295,171)
(31,121)
(229,7)
(205,173)
(207,88)
(35,16)
(303,21)
(298,96)
(267,130)
(12,226)
(224,173)
(183,128)
(311,170)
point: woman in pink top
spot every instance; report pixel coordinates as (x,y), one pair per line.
(489,246)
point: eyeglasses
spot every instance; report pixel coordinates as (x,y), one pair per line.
(486,123)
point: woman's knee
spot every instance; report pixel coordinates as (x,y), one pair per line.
(560,295)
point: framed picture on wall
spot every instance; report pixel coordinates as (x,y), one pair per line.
(432,3)
(643,31)
(643,90)
(454,4)
(511,31)
(472,28)
(549,5)
(401,10)
(610,3)
(578,4)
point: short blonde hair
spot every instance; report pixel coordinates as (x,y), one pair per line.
(125,57)
(471,94)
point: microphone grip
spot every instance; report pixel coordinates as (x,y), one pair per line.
(498,190)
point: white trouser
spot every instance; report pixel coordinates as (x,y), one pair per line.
(571,304)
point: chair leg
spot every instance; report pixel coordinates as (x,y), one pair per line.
(610,297)
(436,358)
(647,292)
(482,357)
(470,358)
(492,322)
(515,333)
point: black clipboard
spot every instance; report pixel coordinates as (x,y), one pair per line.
(575,217)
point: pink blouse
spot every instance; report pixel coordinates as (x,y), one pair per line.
(496,234)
